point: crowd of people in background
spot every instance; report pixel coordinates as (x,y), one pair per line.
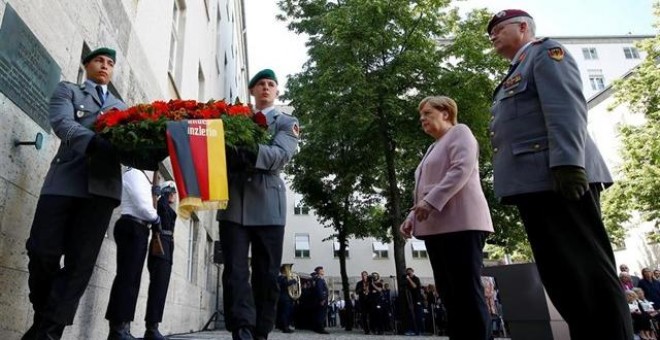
(643,297)
(375,306)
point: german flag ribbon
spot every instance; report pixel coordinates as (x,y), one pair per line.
(197,153)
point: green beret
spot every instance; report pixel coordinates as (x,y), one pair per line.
(265,73)
(100,51)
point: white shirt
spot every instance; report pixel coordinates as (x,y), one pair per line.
(104,87)
(136,198)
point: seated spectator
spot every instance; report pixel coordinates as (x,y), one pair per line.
(626,281)
(650,286)
(624,269)
(641,321)
(656,274)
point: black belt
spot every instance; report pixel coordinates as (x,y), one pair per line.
(135,219)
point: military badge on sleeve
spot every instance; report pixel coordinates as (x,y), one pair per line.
(556,53)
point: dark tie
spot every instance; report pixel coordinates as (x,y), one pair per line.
(99,90)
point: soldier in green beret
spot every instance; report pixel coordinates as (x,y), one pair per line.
(255,217)
(81,189)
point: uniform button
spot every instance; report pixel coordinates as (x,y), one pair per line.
(249,179)
(57,160)
(492,133)
(495,150)
(492,117)
(536,146)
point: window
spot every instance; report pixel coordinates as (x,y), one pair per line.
(596,79)
(381,250)
(300,209)
(335,249)
(209,268)
(419,250)
(191,272)
(302,246)
(631,53)
(176,37)
(590,53)
(201,97)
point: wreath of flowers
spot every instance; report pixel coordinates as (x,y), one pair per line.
(139,132)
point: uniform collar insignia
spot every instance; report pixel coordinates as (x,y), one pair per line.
(513,81)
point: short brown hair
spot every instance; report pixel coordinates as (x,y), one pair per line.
(442,103)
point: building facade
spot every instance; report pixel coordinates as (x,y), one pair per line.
(189,49)
(307,244)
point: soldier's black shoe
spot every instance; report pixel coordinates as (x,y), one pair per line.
(120,331)
(242,333)
(152,332)
(321,331)
(31,333)
(49,330)
(287,330)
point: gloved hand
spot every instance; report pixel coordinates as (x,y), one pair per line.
(100,146)
(239,158)
(233,158)
(248,156)
(155,226)
(570,181)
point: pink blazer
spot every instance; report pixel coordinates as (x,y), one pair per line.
(448,179)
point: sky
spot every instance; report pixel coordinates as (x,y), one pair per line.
(272,45)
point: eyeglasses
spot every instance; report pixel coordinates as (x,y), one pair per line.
(497,29)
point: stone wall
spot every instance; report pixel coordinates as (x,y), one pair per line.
(63,27)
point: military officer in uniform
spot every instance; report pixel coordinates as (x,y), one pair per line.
(546,164)
(81,189)
(160,264)
(255,217)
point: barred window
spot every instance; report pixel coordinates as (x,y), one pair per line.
(419,250)
(380,250)
(302,246)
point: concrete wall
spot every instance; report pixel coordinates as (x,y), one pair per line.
(140,32)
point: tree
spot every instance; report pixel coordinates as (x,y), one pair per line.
(639,188)
(370,63)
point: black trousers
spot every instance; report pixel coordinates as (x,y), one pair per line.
(456,259)
(132,239)
(71,227)
(250,301)
(576,263)
(160,270)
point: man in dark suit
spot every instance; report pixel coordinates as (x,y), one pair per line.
(82,187)
(255,217)
(321,299)
(546,164)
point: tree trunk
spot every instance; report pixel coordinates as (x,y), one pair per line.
(348,306)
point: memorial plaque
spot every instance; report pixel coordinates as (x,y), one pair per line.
(28,74)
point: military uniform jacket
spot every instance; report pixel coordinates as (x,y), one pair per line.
(258,197)
(539,121)
(72,112)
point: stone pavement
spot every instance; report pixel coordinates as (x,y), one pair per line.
(335,333)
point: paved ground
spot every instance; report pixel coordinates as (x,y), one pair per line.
(335,333)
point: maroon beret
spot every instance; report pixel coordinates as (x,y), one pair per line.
(505,15)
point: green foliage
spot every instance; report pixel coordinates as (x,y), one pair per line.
(639,188)
(370,63)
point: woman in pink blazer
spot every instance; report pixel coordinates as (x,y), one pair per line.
(452,217)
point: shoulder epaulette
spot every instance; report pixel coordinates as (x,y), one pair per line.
(539,41)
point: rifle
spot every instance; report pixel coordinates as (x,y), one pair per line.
(156,245)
